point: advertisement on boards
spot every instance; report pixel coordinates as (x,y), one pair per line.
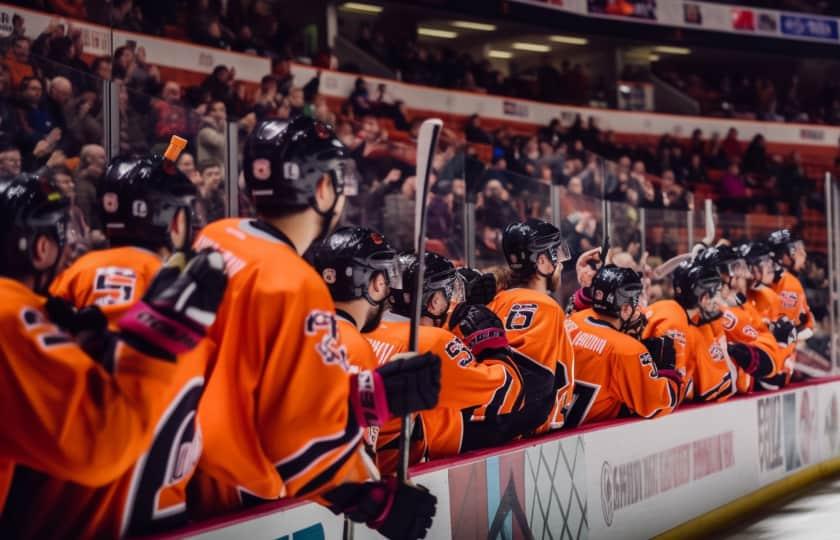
(809,27)
(638,9)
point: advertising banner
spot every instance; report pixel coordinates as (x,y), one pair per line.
(632,479)
(805,26)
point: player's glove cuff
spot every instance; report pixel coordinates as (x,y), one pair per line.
(147,325)
(368,399)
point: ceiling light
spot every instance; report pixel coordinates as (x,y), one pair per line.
(468,25)
(532,47)
(362,7)
(672,50)
(654,58)
(434,32)
(569,40)
(505,55)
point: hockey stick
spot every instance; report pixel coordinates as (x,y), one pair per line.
(426,143)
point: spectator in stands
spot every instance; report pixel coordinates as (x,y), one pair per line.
(84,122)
(101,68)
(8,111)
(212,190)
(18,61)
(755,157)
(211,136)
(696,173)
(674,196)
(439,219)
(474,133)
(186,164)
(39,135)
(78,231)
(296,102)
(359,99)
(18,30)
(220,85)
(125,15)
(734,193)
(494,207)
(170,115)
(10,161)
(731,146)
(89,173)
(281,69)
(398,213)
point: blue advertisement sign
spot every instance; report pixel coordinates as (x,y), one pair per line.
(809,27)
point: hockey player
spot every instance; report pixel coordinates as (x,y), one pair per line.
(488,389)
(535,252)
(789,255)
(614,373)
(750,344)
(767,304)
(276,415)
(146,210)
(359,268)
(131,504)
(79,421)
(700,346)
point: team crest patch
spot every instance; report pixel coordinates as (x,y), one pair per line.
(729,320)
(789,299)
(329,275)
(261,169)
(110,202)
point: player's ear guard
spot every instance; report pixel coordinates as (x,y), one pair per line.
(178,307)
(408,383)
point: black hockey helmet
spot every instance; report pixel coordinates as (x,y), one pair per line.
(139,198)
(524,242)
(29,208)
(284,161)
(755,252)
(613,287)
(723,258)
(692,281)
(350,257)
(783,242)
(439,275)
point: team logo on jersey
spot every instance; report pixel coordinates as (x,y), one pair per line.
(676,335)
(113,286)
(729,320)
(261,169)
(789,299)
(331,352)
(458,351)
(329,275)
(521,316)
(717,352)
(110,202)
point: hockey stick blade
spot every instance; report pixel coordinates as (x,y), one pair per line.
(426,144)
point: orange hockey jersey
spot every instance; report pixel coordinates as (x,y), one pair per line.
(792,298)
(743,324)
(534,325)
(113,279)
(614,373)
(68,417)
(463,382)
(150,497)
(701,351)
(275,415)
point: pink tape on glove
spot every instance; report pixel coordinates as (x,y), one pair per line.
(580,300)
(387,493)
(368,399)
(673,375)
(149,324)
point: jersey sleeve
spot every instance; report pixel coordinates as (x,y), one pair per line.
(70,418)
(637,383)
(738,328)
(665,324)
(467,383)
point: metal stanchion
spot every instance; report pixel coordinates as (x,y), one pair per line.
(232,168)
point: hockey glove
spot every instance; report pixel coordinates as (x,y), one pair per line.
(407,383)
(65,315)
(752,360)
(394,509)
(664,357)
(480,288)
(479,328)
(784,331)
(178,307)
